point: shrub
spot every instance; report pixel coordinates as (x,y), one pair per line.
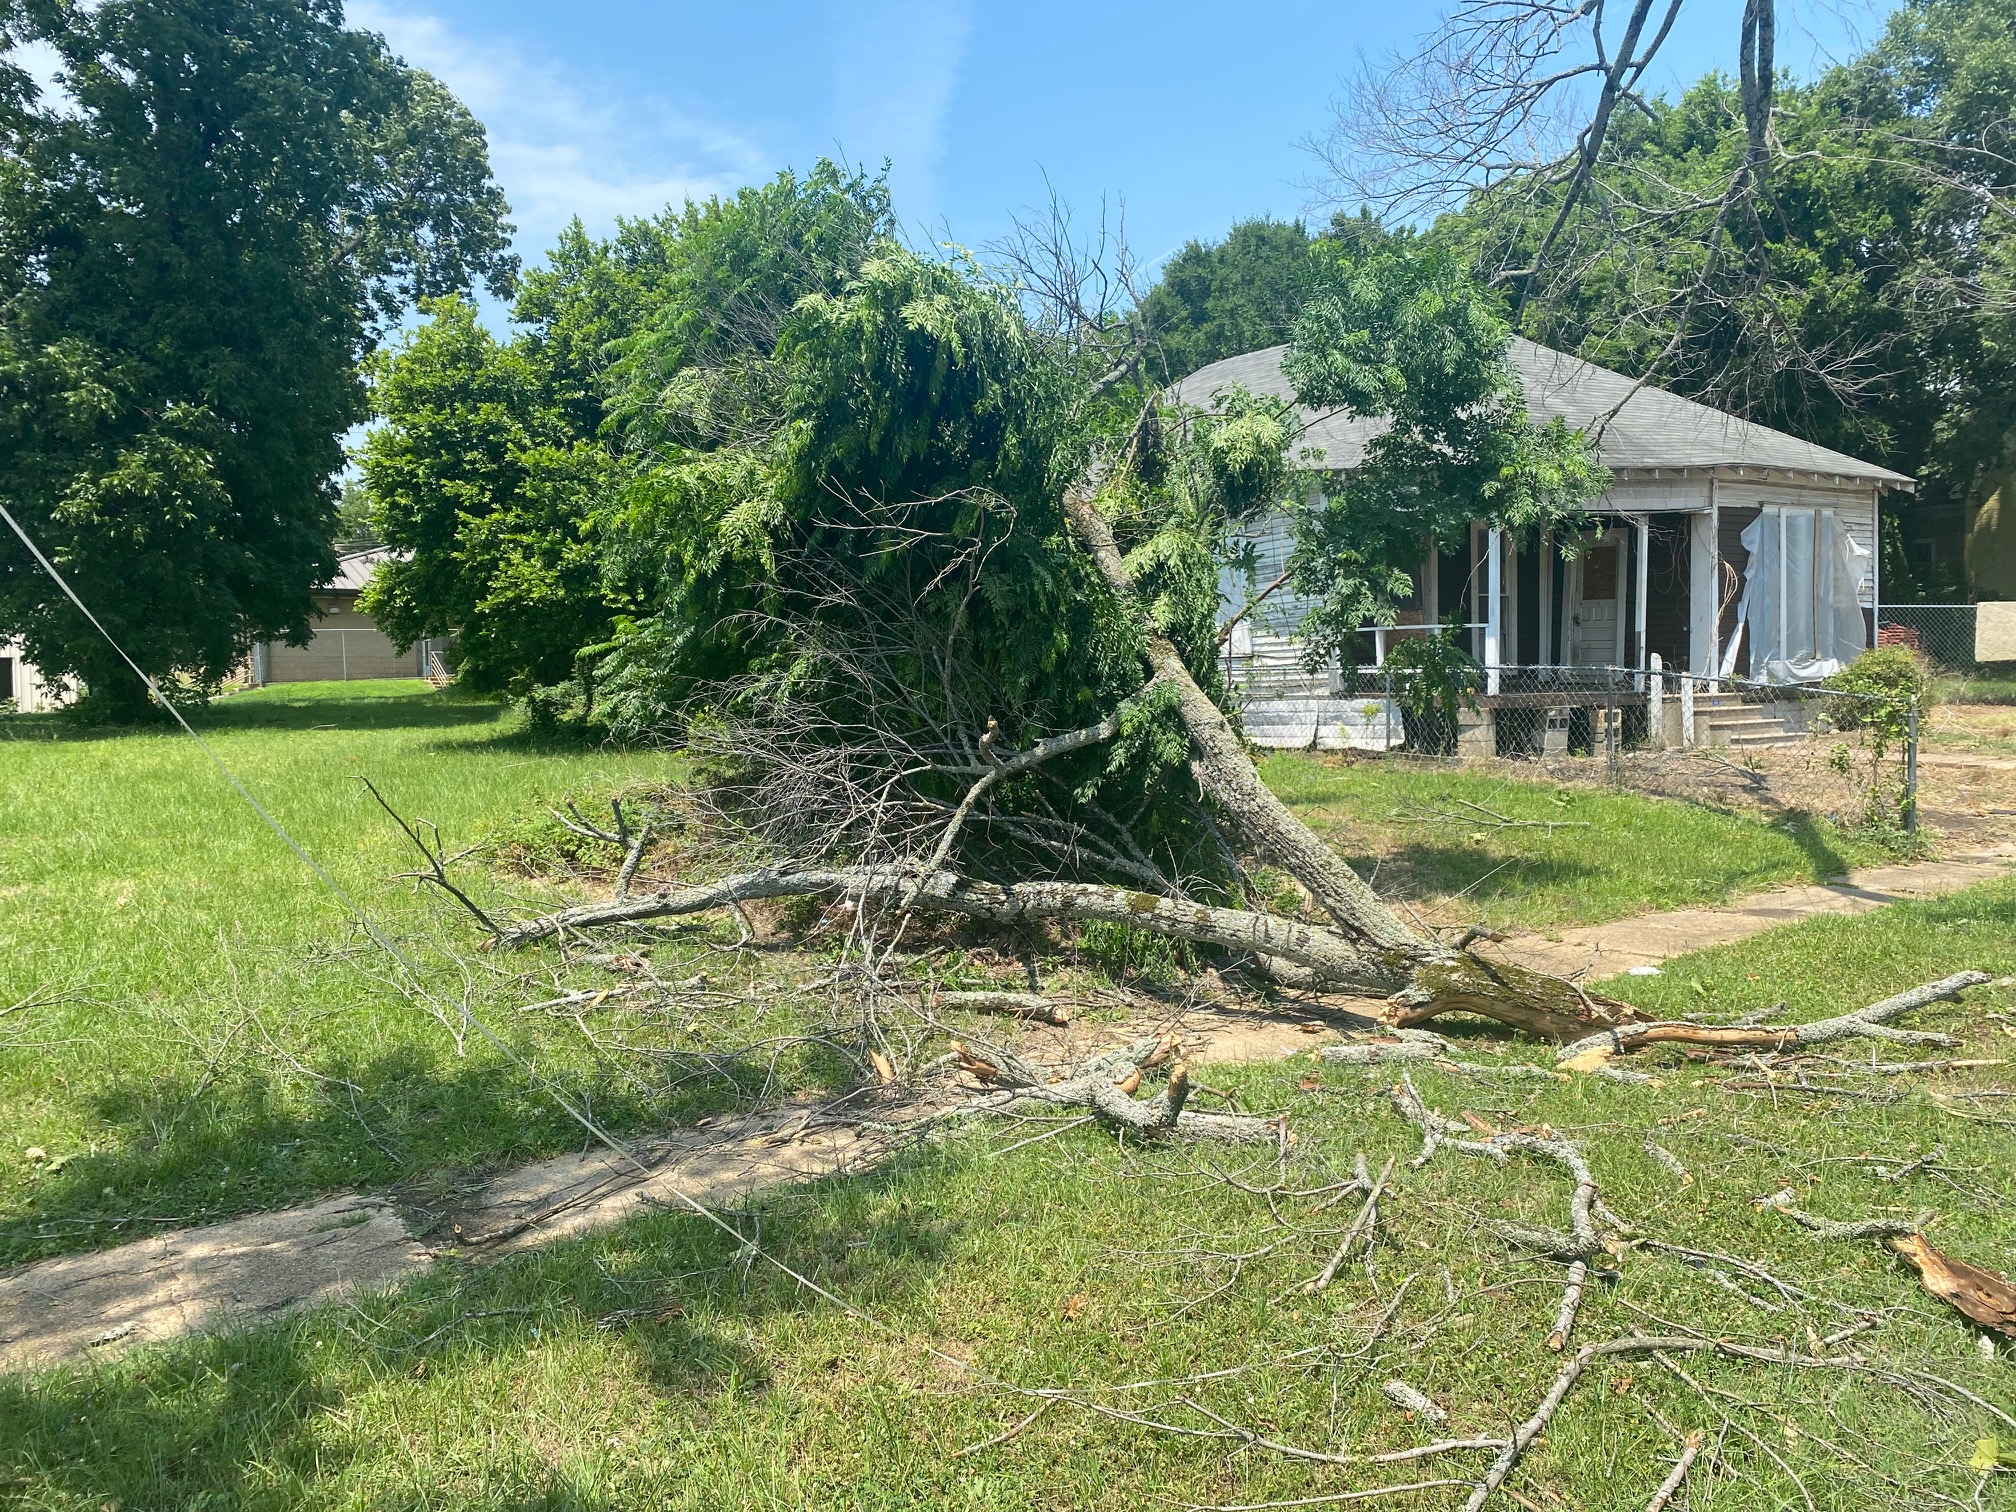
(1887,682)
(1440,680)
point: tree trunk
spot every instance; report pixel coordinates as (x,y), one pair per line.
(1428,978)
(1227,774)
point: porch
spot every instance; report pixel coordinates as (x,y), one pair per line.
(1593,639)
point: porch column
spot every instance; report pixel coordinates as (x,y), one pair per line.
(1875,561)
(1643,581)
(1703,592)
(1494,612)
(1714,667)
(1546,606)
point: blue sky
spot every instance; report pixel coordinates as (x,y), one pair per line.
(1189,113)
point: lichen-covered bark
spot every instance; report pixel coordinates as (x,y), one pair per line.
(1458,982)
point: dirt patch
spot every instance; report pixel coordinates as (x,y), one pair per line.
(573,1195)
(202,1279)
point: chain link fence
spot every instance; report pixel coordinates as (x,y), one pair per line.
(1849,758)
(1944,634)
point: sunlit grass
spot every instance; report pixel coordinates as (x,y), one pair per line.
(190,965)
(661,1365)
(1604,855)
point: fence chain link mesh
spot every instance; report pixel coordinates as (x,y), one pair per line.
(1942,633)
(1776,750)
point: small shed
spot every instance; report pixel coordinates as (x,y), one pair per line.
(346,644)
(23,686)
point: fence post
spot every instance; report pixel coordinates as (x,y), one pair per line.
(1655,713)
(1610,727)
(1687,709)
(1911,768)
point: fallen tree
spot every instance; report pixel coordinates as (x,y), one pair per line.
(939,607)
(1423,976)
(1365,948)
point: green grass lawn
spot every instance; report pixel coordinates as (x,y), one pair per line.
(1611,855)
(213,1036)
(1994,684)
(661,1366)
(193,967)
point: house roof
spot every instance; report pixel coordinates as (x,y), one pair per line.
(1653,431)
(354,568)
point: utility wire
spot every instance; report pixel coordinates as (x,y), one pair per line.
(385,942)
(356,909)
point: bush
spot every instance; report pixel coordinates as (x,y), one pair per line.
(1439,680)
(1887,682)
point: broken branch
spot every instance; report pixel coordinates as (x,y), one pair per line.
(1872,1022)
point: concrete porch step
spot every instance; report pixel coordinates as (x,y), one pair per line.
(1748,739)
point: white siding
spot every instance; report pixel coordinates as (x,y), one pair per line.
(25,685)
(1653,496)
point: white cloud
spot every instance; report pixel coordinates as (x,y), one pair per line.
(559,146)
(895,67)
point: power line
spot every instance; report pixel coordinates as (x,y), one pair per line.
(356,909)
(385,942)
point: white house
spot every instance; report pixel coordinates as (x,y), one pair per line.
(1726,548)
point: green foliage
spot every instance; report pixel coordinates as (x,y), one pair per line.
(1887,682)
(1133,955)
(1891,686)
(1219,299)
(485,484)
(1865,304)
(356,527)
(196,246)
(1439,679)
(847,479)
(1399,331)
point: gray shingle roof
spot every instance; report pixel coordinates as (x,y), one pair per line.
(354,568)
(1654,429)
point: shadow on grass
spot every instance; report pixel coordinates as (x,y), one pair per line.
(1425,869)
(272,1415)
(342,706)
(318,708)
(417,708)
(188,1150)
(1813,837)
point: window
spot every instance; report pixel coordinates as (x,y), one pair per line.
(1801,607)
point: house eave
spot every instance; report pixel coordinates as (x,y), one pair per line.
(1734,472)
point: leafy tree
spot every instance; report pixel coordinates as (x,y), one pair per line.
(866,570)
(198,242)
(1218,299)
(1866,302)
(1401,332)
(355,528)
(486,484)
(536,486)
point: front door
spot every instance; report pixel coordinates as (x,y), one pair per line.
(1590,603)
